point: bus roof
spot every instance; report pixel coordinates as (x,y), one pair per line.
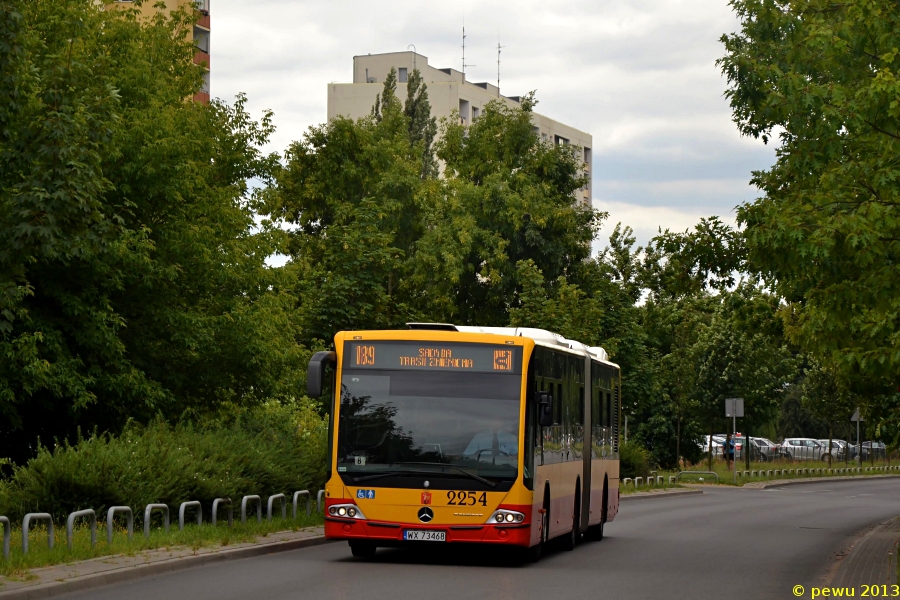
(540,336)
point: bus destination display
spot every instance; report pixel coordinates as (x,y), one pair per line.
(434,356)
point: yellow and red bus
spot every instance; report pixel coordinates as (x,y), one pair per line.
(492,435)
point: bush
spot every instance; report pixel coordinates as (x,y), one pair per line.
(274,449)
(634,461)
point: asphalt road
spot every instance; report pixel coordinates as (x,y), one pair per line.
(734,543)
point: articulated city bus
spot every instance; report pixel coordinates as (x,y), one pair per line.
(492,435)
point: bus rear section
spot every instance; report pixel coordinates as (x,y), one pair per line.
(434,437)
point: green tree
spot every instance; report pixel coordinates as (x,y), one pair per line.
(133,272)
(826,233)
(422,126)
(738,357)
(355,192)
(828,397)
(508,197)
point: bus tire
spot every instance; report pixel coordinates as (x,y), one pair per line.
(570,540)
(362,549)
(533,554)
(595,532)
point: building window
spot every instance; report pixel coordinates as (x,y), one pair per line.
(403,75)
(475,112)
(561,141)
(464,111)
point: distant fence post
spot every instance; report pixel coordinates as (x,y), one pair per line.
(308,501)
(6,533)
(70,525)
(226,502)
(26,525)
(129,521)
(149,510)
(272,499)
(320,505)
(244,502)
(186,505)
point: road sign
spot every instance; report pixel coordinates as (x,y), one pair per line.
(734,407)
(855,418)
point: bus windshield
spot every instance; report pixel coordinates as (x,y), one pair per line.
(414,421)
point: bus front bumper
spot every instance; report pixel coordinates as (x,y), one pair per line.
(518,534)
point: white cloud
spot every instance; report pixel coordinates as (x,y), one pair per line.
(639,75)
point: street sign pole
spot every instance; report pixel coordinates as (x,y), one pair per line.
(733,443)
(857,418)
(734,408)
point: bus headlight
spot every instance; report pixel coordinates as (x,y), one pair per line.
(346,511)
(507,517)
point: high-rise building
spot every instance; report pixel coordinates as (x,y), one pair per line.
(448,90)
(200,35)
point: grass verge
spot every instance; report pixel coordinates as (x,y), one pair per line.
(193,536)
(726,477)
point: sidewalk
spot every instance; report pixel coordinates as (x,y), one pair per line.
(871,560)
(62,579)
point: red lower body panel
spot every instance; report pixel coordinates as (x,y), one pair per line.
(518,534)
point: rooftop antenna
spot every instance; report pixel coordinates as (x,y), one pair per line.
(498,65)
(413,46)
(464,65)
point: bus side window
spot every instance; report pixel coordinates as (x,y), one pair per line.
(581,406)
(615,423)
(607,417)
(558,405)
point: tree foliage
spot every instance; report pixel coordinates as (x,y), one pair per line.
(133,273)
(822,76)
(825,236)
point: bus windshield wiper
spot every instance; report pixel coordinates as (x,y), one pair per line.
(454,467)
(384,474)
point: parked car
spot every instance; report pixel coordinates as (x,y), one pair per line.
(872,450)
(802,449)
(838,449)
(764,449)
(717,445)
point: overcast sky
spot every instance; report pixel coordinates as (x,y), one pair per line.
(639,75)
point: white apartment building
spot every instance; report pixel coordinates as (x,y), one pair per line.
(448,90)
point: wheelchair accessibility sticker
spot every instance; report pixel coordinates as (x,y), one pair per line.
(365,494)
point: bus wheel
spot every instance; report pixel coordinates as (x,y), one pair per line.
(362,549)
(595,532)
(533,554)
(571,539)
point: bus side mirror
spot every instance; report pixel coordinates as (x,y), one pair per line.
(315,373)
(545,409)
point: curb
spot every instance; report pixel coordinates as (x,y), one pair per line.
(130,573)
(643,496)
(774,484)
